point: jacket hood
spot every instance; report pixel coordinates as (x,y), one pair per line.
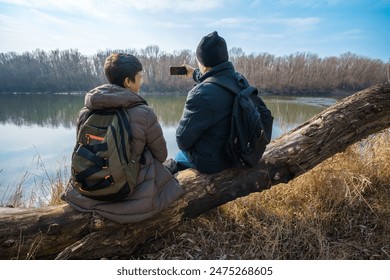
(111,96)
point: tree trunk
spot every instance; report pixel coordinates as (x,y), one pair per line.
(63,233)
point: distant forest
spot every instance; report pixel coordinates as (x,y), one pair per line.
(299,73)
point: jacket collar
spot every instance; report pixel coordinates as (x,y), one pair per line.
(220,69)
(111,96)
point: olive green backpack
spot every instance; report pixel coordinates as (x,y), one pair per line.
(104,165)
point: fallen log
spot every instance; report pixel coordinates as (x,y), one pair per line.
(63,233)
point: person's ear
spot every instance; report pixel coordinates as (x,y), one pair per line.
(126,82)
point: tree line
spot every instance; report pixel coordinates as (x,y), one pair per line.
(298,73)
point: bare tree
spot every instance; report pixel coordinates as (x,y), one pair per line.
(69,70)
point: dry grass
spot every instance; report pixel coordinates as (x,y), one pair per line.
(47,187)
(338,210)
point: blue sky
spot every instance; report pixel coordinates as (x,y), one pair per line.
(280,27)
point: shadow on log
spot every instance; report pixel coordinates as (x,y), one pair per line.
(59,232)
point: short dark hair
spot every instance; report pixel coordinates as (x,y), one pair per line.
(119,66)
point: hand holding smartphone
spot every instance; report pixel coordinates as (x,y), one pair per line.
(178,70)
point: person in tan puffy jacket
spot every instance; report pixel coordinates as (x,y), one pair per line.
(156,186)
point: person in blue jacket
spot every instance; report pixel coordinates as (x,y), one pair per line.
(205,123)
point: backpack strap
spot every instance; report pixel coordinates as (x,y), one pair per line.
(125,118)
(83,151)
(123,125)
(245,88)
(100,185)
(243,83)
(215,81)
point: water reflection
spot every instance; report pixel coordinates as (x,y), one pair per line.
(167,108)
(54,111)
(289,112)
(45,110)
(43,126)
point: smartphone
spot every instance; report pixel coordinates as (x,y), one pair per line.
(178,70)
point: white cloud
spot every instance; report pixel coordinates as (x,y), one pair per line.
(233,22)
(48,18)
(172,24)
(100,8)
(9,24)
(60,5)
(42,28)
(310,3)
(173,5)
(348,35)
(90,25)
(301,24)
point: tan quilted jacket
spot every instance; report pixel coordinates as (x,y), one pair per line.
(156,187)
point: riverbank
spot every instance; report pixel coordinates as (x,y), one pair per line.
(338,210)
(330,93)
(333,93)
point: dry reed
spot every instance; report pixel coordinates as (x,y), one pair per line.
(46,190)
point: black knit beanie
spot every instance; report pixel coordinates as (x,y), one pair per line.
(212,50)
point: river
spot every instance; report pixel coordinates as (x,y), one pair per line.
(37,132)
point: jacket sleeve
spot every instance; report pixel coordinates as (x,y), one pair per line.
(155,139)
(195,120)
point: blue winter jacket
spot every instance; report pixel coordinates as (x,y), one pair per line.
(205,124)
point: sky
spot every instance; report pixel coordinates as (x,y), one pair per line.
(278,27)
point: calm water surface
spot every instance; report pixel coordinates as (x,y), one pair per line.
(37,132)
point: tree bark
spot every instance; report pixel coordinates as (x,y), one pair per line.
(63,233)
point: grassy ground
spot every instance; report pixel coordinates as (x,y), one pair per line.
(338,210)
